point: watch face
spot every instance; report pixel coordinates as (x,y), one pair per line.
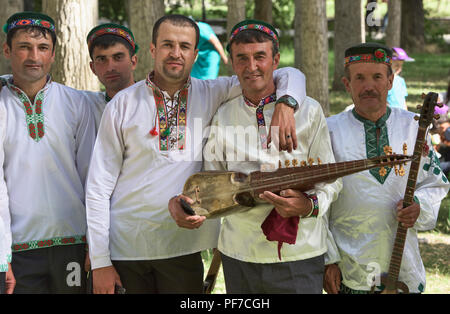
(289,101)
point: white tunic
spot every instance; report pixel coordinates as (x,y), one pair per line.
(98,103)
(45,179)
(241,236)
(363,219)
(131,180)
(5,234)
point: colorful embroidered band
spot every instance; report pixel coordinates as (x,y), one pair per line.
(171,121)
(255,25)
(260,117)
(315,205)
(368,52)
(379,56)
(34,114)
(29,19)
(112,29)
(39,244)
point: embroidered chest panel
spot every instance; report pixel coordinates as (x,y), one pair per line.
(33,112)
(260,117)
(172,117)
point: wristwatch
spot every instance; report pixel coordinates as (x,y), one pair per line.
(288,100)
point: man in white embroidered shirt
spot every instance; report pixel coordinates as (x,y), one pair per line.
(146,148)
(47,140)
(247,243)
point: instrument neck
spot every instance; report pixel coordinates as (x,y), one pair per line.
(408,199)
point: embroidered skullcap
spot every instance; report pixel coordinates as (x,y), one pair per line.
(24,19)
(112,29)
(261,26)
(368,52)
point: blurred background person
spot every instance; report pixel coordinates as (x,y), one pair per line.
(210,51)
(398,93)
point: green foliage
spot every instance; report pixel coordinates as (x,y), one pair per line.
(113,10)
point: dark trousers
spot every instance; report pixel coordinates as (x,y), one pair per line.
(183,274)
(304,276)
(55,270)
(2,283)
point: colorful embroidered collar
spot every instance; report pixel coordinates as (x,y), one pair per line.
(260,116)
(171,121)
(375,143)
(33,111)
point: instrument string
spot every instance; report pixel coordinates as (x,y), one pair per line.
(292,178)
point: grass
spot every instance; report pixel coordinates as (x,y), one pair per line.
(434,249)
(428,73)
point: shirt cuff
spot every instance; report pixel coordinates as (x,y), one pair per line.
(100,262)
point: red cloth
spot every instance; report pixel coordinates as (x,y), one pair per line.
(277,228)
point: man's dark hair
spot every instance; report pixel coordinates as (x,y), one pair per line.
(107,41)
(253,36)
(176,20)
(35,30)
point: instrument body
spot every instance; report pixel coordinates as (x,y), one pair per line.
(390,280)
(221,193)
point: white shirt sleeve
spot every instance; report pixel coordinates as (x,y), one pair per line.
(292,82)
(4,200)
(432,186)
(320,147)
(104,171)
(213,152)
(85,138)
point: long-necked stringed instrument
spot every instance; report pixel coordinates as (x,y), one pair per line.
(221,193)
(390,281)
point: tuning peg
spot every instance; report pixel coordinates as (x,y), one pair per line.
(311,161)
(417,118)
(387,150)
(295,162)
(279,164)
(423,95)
(382,171)
(396,169)
(303,163)
(319,162)
(436,116)
(401,172)
(287,163)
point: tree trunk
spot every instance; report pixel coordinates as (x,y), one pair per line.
(142,16)
(74,19)
(263,11)
(236,14)
(10,7)
(394,26)
(313,33)
(349,30)
(413,29)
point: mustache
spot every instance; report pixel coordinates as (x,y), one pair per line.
(369,94)
(253,73)
(170,59)
(27,62)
